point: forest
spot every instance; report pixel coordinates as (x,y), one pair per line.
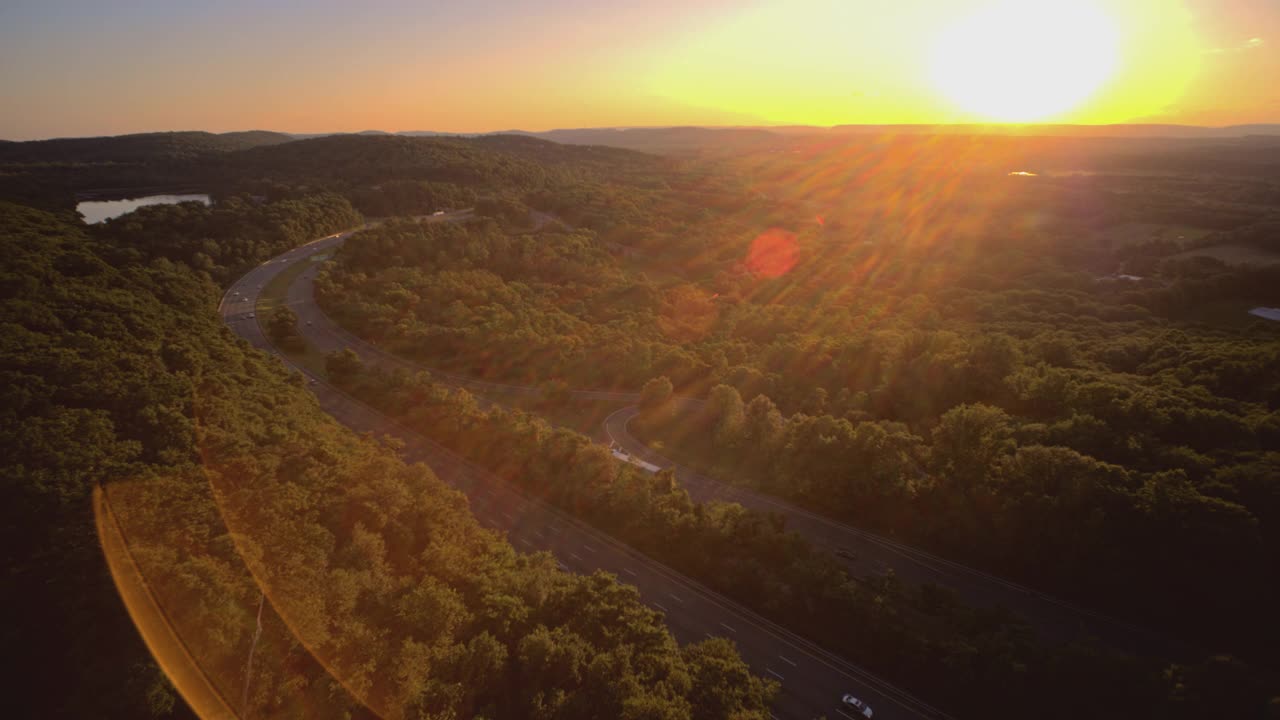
(922,637)
(996,396)
(1000,368)
(1006,396)
(382,594)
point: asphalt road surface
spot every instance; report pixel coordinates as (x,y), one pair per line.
(811,678)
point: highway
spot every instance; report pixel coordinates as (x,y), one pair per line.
(1053,618)
(812,680)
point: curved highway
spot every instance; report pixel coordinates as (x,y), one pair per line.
(865,552)
(812,680)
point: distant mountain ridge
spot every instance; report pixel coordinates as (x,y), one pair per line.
(373,158)
(137,148)
(169,147)
(678,139)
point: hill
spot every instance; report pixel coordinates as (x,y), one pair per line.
(144,147)
(360,159)
(490,164)
(667,139)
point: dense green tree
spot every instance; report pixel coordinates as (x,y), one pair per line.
(282,326)
(343,365)
(968,444)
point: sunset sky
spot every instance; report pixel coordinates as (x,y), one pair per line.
(95,68)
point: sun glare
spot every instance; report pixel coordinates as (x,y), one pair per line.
(1025,60)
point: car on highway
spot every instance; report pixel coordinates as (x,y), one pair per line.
(852,703)
(846,553)
(251,316)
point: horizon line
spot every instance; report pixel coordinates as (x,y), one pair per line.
(989,126)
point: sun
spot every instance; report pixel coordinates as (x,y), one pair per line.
(1025,60)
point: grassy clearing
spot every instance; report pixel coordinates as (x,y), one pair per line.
(275,295)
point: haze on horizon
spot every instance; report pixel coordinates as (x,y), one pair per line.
(75,68)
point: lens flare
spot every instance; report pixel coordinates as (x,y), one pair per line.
(772,253)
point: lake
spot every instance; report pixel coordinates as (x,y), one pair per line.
(95,211)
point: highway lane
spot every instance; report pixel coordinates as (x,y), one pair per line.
(812,679)
(1053,618)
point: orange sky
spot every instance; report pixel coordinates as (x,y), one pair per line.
(84,68)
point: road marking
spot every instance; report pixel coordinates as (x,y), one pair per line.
(508,516)
(629,571)
(526,542)
(539,533)
(588,548)
(726,627)
(676,597)
(660,607)
(574,556)
(771,672)
(785,660)
(556,530)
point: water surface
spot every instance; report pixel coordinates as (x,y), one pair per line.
(95,211)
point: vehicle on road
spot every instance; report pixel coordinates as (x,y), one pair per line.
(856,705)
(252,316)
(627,457)
(846,553)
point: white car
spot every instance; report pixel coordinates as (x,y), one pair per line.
(252,316)
(856,705)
